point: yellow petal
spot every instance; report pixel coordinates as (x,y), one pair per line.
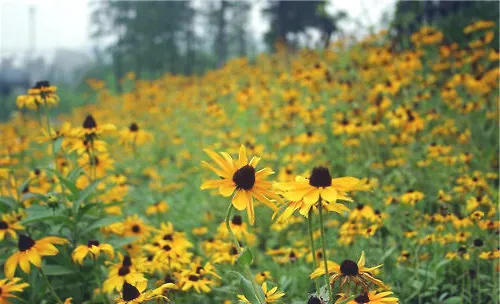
(240,200)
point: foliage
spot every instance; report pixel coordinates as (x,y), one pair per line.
(392,156)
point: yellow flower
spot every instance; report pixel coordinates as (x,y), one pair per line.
(9,225)
(271,295)
(31,251)
(9,286)
(319,186)
(263,276)
(134,293)
(158,207)
(350,271)
(118,274)
(239,177)
(370,297)
(93,247)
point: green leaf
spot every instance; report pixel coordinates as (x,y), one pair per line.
(7,201)
(57,145)
(37,213)
(100,223)
(57,270)
(248,292)
(85,193)
(452,300)
(66,182)
(28,196)
(245,258)
(24,185)
(123,241)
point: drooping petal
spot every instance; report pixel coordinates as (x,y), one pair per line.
(329,194)
(240,200)
(227,190)
(312,197)
(250,209)
(11,265)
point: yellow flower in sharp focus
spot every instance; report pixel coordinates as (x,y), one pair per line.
(31,251)
(370,297)
(94,248)
(350,271)
(320,186)
(241,178)
(9,286)
(135,293)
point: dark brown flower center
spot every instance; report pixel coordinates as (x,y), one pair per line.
(349,267)
(130,292)
(478,242)
(168,237)
(193,278)
(313,300)
(127,262)
(237,220)
(133,127)
(25,242)
(136,228)
(167,248)
(363,298)
(168,279)
(89,122)
(123,271)
(320,177)
(3,225)
(93,243)
(244,177)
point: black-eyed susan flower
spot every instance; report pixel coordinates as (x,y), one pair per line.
(93,247)
(271,295)
(135,293)
(156,208)
(31,251)
(9,225)
(370,297)
(124,271)
(320,185)
(263,276)
(134,136)
(241,178)
(349,270)
(7,287)
(135,226)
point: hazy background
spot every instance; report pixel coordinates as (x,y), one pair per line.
(68,42)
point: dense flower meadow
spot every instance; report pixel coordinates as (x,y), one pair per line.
(355,174)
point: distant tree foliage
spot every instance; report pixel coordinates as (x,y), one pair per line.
(450,17)
(294,17)
(154,37)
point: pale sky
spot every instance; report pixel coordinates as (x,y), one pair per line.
(64,24)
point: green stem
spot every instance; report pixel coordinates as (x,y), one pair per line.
(51,289)
(477,280)
(235,240)
(228,226)
(97,277)
(313,248)
(322,230)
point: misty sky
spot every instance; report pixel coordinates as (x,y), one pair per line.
(64,24)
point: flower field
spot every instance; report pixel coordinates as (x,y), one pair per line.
(355,174)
